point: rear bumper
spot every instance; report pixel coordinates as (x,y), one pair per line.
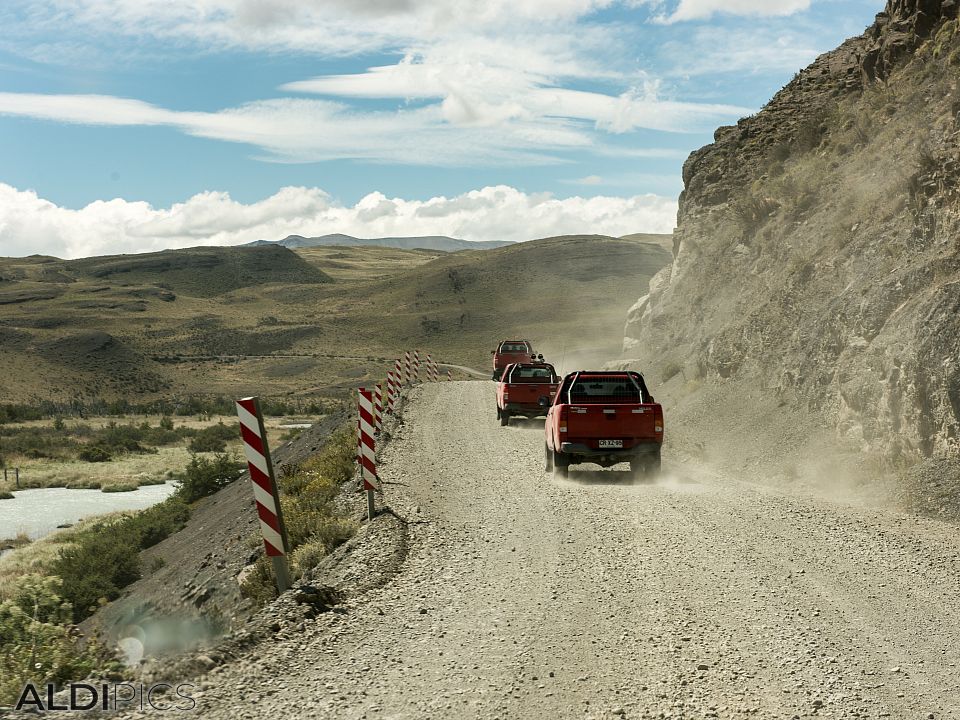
(584,450)
(528,409)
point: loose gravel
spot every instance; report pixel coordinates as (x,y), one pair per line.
(695,596)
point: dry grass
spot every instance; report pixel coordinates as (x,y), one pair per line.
(126,472)
(98,338)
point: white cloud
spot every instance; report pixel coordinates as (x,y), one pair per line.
(705,9)
(462,130)
(725,50)
(30,224)
(316,26)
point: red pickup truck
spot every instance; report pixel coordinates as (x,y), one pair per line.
(604,418)
(526,389)
(510,351)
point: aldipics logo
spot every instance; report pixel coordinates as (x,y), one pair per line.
(108,696)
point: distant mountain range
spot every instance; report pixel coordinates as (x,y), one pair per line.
(430,242)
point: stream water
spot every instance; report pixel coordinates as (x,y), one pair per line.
(39,512)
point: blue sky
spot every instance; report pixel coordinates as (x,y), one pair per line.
(130,125)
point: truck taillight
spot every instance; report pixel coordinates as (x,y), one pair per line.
(658,419)
(506,395)
(564,411)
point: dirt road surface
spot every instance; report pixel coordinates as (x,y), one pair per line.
(524,596)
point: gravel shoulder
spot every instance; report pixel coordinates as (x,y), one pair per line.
(523,596)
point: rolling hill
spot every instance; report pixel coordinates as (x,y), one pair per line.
(315,322)
(429,242)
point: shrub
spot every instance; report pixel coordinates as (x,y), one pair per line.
(205,476)
(94,454)
(212,439)
(105,558)
(38,641)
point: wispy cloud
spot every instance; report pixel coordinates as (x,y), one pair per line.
(30,224)
(687,10)
(760,49)
(457,131)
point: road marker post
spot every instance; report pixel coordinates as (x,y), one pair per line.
(430,377)
(416,366)
(378,408)
(406,367)
(368,460)
(388,400)
(449,376)
(265,492)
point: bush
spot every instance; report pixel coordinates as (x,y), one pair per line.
(39,644)
(94,454)
(105,557)
(212,439)
(205,476)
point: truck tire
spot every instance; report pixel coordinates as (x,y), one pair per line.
(498,412)
(653,469)
(638,468)
(504,417)
(547,458)
(561,464)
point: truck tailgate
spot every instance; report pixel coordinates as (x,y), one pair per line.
(529,393)
(621,425)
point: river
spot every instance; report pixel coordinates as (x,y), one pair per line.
(38,512)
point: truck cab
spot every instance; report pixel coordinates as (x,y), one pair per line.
(510,351)
(526,389)
(604,418)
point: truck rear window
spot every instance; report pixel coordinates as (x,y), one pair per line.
(605,390)
(531,375)
(513,348)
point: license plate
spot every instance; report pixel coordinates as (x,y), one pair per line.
(610,443)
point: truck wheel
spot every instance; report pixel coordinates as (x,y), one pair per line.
(498,412)
(640,468)
(504,417)
(653,468)
(547,458)
(561,464)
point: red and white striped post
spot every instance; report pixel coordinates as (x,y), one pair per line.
(398,375)
(406,367)
(449,376)
(388,399)
(368,460)
(429,368)
(416,366)
(435,370)
(378,408)
(265,491)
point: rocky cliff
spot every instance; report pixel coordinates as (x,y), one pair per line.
(817,255)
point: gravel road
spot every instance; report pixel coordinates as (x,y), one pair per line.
(523,596)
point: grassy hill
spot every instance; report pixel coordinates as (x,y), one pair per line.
(427,242)
(271,321)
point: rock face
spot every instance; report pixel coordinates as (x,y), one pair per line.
(817,253)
